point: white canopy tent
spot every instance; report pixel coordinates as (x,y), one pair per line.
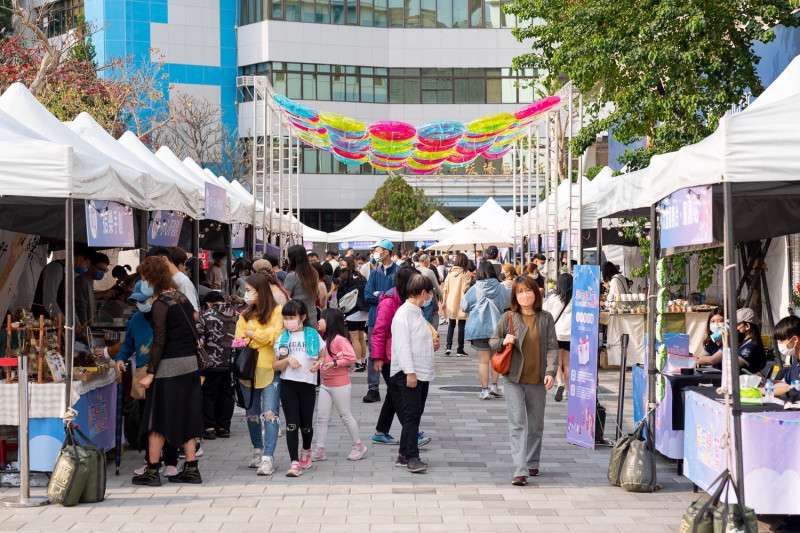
(485,216)
(234,210)
(472,236)
(428,230)
(176,165)
(364,228)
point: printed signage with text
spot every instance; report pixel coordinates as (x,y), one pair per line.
(215,203)
(686,218)
(237,236)
(356,245)
(165,228)
(583,357)
(109,225)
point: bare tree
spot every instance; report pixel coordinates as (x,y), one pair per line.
(53,50)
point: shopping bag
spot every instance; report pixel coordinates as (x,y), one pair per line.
(731,518)
(638,472)
(70,472)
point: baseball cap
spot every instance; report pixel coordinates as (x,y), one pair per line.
(745,314)
(386,244)
(492,252)
(137,294)
(262,264)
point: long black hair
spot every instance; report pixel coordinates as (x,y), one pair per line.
(300,265)
(401,278)
(334,325)
(486,271)
(564,287)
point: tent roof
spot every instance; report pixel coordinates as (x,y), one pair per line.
(486,216)
(364,228)
(102,178)
(313,235)
(472,236)
(428,230)
(171,160)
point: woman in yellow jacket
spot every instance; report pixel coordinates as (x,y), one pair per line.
(261,323)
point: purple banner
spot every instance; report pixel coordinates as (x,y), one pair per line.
(356,245)
(583,356)
(165,228)
(686,218)
(424,244)
(216,199)
(109,224)
(237,236)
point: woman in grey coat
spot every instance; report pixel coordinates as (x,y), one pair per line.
(534,361)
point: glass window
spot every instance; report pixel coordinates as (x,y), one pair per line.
(352,12)
(293,10)
(396,72)
(412,13)
(381,96)
(338,88)
(323,68)
(428,97)
(325,162)
(309,160)
(428,14)
(476,91)
(492,72)
(509,90)
(323,12)
(293,83)
(493,14)
(279,82)
(462,91)
(444,13)
(365,12)
(309,67)
(307,10)
(323,87)
(475,13)
(412,91)
(380,13)
(381,71)
(367,90)
(506,20)
(309,87)
(412,72)
(397,90)
(277,9)
(395,13)
(351,70)
(526,91)
(277,65)
(493,91)
(351,88)
(460,13)
(337,11)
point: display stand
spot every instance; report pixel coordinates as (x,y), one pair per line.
(34,337)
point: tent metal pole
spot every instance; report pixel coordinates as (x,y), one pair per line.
(196,253)
(652,299)
(69,293)
(281,170)
(514,195)
(568,132)
(527,258)
(733,336)
(599,239)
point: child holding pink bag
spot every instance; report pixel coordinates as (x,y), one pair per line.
(340,358)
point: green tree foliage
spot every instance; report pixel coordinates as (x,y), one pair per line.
(669,68)
(400,207)
(83,49)
(6,28)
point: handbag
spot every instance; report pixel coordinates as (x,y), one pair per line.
(244,362)
(348,302)
(137,391)
(79,475)
(202,354)
(501,361)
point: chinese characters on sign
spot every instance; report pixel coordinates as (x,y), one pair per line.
(109,224)
(216,198)
(165,228)
(686,218)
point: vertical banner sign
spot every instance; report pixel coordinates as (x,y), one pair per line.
(237,236)
(16,252)
(109,224)
(215,203)
(686,218)
(165,228)
(583,356)
(205,259)
(259,241)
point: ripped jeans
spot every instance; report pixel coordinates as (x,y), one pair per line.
(262,417)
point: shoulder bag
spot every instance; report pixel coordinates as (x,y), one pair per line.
(501,361)
(202,354)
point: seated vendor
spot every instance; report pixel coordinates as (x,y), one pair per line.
(752,356)
(711,347)
(787,335)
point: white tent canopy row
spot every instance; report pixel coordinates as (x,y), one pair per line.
(365,228)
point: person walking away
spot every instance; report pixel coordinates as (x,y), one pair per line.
(615,282)
(217,325)
(215,275)
(492,253)
(414,341)
(381,279)
(300,353)
(456,285)
(261,324)
(173,410)
(335,388)
(560,306)
(355,309)
(484,303)
(431,310)
(534,359)
(302,281)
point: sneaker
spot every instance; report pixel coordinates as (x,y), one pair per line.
(495,391)
(357,452)
(401,461)
(519,481)
(143,469)
(533,472)
(305,458)
(422,440)
(461,353)
(384,439)
(170,471)
(442,321)
(294,470)
(559,392)
(189,474)
(447,352)
(484,395)
(210,434)
(416,466)
(255,458)
(149,478)
(360,367)
(265,468)
(318,454)
(372,397)
(198,451)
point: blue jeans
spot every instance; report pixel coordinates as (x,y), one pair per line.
(264,429)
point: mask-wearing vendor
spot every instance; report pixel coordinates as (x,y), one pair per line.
(710,354)
(752,356)
(787,335)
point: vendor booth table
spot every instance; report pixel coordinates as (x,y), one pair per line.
(770,441)
(94,400)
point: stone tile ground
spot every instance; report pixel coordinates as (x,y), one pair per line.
(467,487)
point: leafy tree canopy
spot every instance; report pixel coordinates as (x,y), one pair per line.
(398,206)
(667,69)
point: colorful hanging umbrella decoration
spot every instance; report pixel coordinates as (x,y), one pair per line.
(391,145)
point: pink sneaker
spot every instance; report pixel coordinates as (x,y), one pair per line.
(357,452)
(318,454)
(305,458)
(294,470)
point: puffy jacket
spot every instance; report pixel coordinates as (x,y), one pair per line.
(485,302)
(456,285)
(381,339)
(380,280)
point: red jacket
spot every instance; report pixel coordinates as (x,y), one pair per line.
(381,339)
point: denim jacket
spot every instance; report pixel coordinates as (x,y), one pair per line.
(485,302)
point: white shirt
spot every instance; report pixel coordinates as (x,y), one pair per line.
(297,349)
(553,306)
(186,287)
(412,343)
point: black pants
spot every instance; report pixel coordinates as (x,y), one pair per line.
(217,399)
(451,326)
(297,400)
(413,407)
(392,403)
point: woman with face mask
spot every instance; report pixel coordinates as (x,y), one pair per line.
(261,325)
(534,363)
(752,356)
(711,347)
(787,335)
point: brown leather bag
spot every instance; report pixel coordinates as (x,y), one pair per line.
(501,361)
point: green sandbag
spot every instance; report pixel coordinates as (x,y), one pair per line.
(618,454)
(68,479)
(728,519)
(639,469)
(697,519)
(95,488)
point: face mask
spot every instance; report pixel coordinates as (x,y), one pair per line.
(714,327)
(291,325)
(99,276)
(376,256)
(428,300)
(525,299)
(785,350)
(249,297)
(146,289)
(144,307)
(80,270)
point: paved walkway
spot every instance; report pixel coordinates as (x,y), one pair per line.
(467,487)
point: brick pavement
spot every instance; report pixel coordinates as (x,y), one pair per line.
(467,487)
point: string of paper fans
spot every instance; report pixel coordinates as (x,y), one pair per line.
(391,145)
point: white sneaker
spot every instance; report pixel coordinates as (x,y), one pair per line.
(495,391)
(484,395)
(357,452)
(266,468)
(255,458)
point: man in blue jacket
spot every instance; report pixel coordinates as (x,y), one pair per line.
(381,279)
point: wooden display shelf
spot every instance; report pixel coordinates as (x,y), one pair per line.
(35,337)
